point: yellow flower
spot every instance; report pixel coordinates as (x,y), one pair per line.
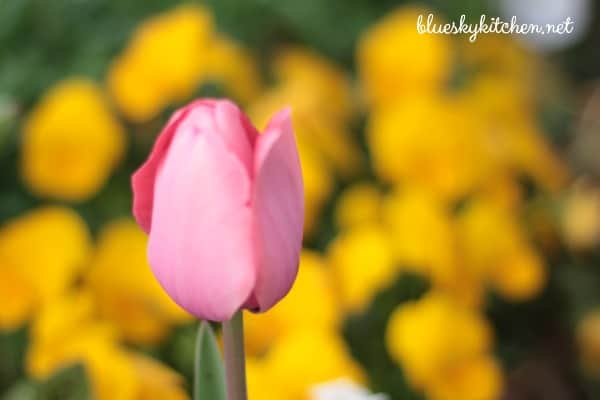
(317,172)
(476,379)
(260,383)
(503,190)
(310,304)
(71,142)
(232,66)
(319,94)
(531,154)
(508,262)
(498,97)
(318,184)
(522,277)
(513,140)
(164,62)
(588,342)
(394,60)
(306,357)
(363,264)
(42,253)
(422,234)
(18,298)
(65,333)
(581,216)
(430,141)
(127,292)
(333,140)
(156,381)
(326,87)
(434,334)
(357,205)
(501,57)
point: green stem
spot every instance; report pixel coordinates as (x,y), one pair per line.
(235,364)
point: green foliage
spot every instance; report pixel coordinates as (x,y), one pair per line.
(209,376)
(67,384)
(12,353)
(44,41)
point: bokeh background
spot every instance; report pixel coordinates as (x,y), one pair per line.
(452,244)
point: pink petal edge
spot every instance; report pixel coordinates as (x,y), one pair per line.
(142,181)
(278,211)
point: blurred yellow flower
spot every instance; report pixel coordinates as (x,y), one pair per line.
(476,379)
(319,94)
(588,342)
(431,141)
(320,97)
(522,277)
(422,234)
(310,304)
(126,291)
(163,63)
(71,142)
(508,262)
(307,357)
(42,253)
(363,265)
(513,141)
(18,299)
(433,335)
(318,184)
(65,333)
(317,172)
(503,190)
(533,155)
(357,205)
(326,88)
(501,57)
(260,383)
(334,141)
(156,380)
(580,218)
(233,67)
(394,60)
(497,98)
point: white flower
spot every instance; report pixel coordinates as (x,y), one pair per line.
(343,389)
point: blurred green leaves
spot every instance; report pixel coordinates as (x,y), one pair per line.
(68,384)
(12,353)
(44,41)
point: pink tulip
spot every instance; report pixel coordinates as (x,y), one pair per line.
(224,209)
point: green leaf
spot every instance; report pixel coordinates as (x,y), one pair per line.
(22,390)
(13,346)
(209,375)
(70,383)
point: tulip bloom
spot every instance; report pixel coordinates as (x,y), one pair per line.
(224,207)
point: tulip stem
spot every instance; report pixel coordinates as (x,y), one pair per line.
(235,364)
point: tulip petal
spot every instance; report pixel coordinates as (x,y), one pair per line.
(143,179)
(227,120)
(239,134)
(200,248)
(278,211)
